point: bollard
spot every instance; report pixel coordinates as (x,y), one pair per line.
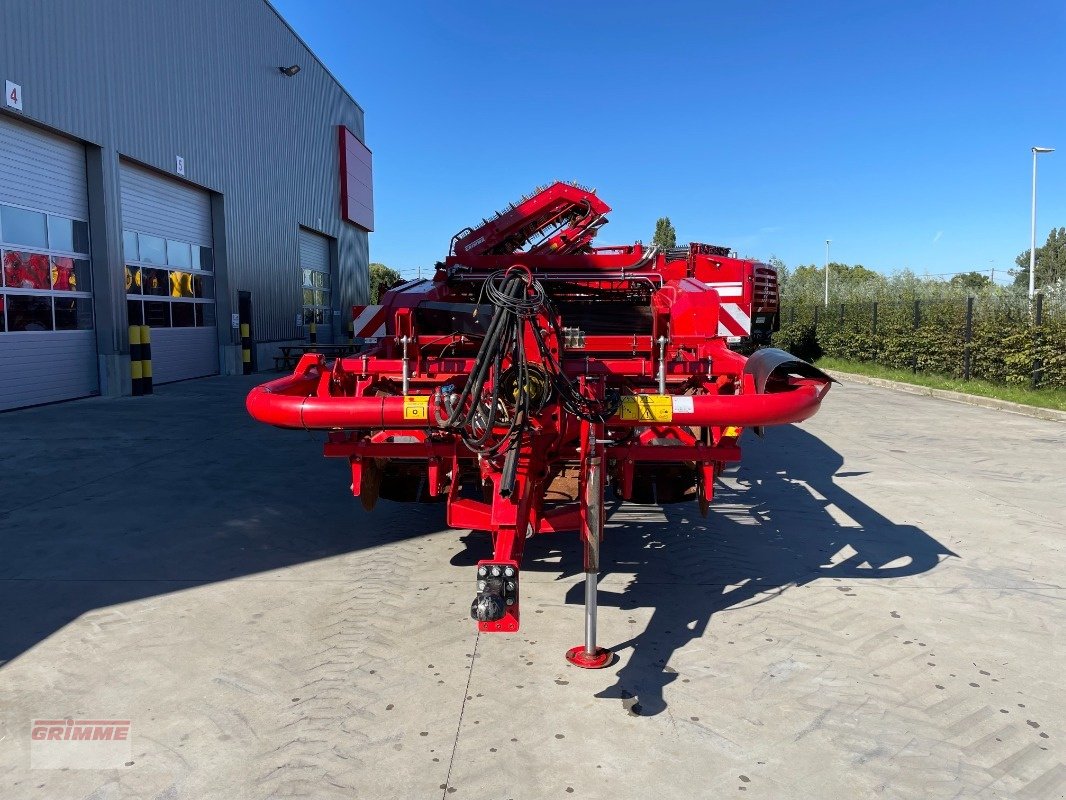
(136,379)
(246,348)
(313,333)
(146,358)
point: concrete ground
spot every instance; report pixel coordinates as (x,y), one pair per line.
(875,607)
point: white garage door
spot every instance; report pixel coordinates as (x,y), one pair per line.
(315,274)
(170,281)
(47,342)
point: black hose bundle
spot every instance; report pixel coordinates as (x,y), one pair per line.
(469,412)
(477,412)
(573,401)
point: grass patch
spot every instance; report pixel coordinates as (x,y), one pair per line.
(1041,398)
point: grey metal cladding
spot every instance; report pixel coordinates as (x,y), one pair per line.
(157,79)
(152,203)
(41,171)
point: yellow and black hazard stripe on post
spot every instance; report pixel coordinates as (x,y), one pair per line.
(136,378)
(246,347)
(146,358)
(313,333)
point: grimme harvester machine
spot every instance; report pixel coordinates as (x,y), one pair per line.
(534,370)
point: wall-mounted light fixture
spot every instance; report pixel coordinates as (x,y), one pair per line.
(289,71)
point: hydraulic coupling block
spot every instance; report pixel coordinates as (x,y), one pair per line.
(497,591)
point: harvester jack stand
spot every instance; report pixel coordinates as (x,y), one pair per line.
(589,655)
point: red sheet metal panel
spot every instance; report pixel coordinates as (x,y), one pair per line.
(357,184)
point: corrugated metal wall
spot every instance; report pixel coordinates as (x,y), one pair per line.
(157,79)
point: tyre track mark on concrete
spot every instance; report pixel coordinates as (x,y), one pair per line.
(887,714)
(944,476)
(332,729)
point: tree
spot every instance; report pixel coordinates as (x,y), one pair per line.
(855,278)
(847,283)
(382,279)
(665,235)
(971,281)
(1050,262)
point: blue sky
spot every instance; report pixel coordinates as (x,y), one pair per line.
(900,130)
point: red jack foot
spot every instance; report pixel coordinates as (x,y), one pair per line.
(579,658)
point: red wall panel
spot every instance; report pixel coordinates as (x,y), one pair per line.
(357,184)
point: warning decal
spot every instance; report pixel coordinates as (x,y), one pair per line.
(683,404)
(647,408)
(415,407)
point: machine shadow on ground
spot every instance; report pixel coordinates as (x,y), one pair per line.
(64,570)
(770,532)
(773,531)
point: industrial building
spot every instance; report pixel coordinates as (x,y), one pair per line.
(189,166)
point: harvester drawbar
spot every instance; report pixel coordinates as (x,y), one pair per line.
(532,372)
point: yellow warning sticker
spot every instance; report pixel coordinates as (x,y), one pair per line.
(415,407)
(647,408)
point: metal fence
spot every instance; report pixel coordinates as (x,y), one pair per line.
(1000,340)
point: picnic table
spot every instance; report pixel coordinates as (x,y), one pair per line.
(290,354)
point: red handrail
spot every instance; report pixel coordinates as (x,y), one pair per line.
(291,403)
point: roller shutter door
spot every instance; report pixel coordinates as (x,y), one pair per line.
(47,342)
(317,283)
(170,284)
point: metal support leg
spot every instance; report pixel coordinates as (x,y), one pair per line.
(590,655)
(590,613)
(406,366)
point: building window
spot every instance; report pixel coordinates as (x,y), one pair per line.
(169,283)
(316,296)
(45,280)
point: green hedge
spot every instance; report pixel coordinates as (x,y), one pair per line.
(1004,346)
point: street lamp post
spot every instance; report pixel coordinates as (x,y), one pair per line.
(827,241)
(1032,229)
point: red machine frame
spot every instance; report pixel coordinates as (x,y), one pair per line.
(518,412)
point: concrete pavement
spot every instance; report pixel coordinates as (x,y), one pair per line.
(874,608)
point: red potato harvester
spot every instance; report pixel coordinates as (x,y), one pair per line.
(534,370)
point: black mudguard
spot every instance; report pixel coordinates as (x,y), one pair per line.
(770,368)
(770,365)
